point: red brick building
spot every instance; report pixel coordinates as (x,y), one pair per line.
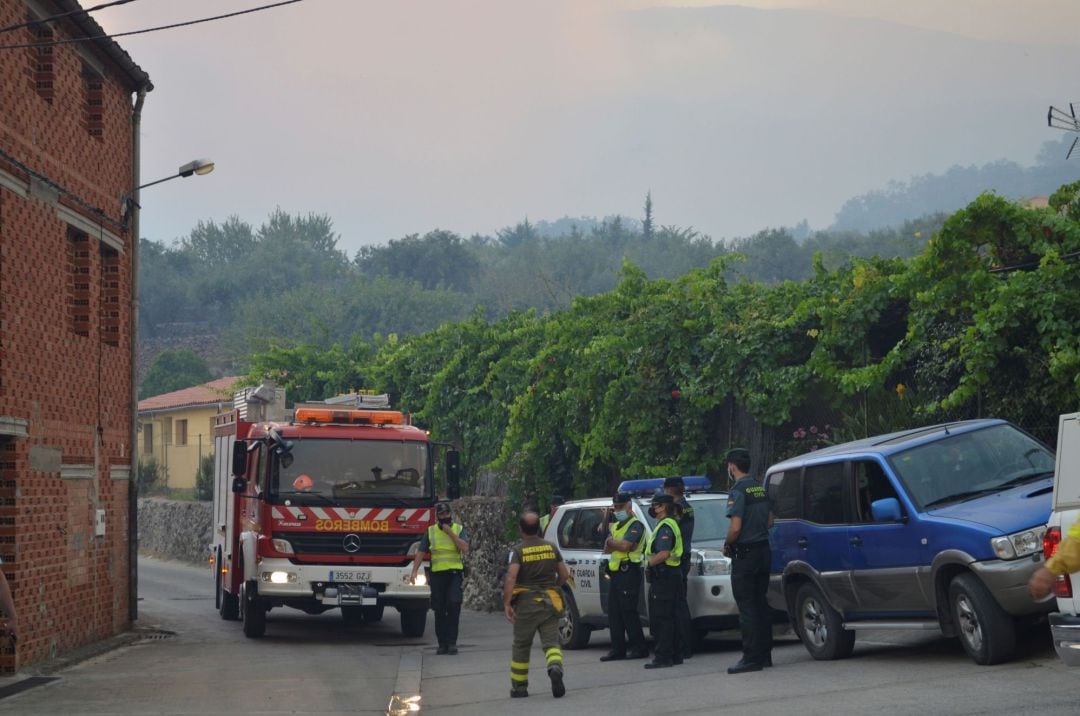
(69,117)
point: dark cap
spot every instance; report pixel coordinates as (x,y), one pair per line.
(558,500)
(738,455)
(621,498)
(674,482)
(663,499)
(442,508)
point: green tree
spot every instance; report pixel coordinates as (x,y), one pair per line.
(309,372)
(204,479)
(174,369)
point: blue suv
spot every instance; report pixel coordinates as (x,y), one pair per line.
(935,528)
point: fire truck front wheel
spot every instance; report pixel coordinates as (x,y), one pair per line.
(413,621)
(253,611)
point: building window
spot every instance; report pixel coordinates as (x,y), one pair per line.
(181,432)
(110,296)
(166,431)
(78,245)
(93,101)
(148,439)
(40,58)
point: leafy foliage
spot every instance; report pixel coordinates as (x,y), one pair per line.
(150,477)
(541,371)
(204,479)
(174,370)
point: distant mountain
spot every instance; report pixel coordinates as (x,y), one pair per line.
(955,188)
(763,117)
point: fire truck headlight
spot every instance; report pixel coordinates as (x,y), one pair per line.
(279,577)
(421,579)
(282,546)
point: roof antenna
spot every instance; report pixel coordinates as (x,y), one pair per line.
(1067,121)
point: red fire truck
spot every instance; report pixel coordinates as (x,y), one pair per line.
(322,510)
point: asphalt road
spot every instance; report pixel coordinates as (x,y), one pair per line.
(199,664)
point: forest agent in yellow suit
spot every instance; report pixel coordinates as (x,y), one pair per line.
(1065,561)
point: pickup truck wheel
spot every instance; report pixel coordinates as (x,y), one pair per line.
(820,627)
(253,611)
(572,633)
(986,630)
(413,621)
(373,614)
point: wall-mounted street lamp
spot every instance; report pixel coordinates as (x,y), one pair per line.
(129,206)
(196,166)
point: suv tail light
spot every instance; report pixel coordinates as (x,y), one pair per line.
(1063,584)
(1051,540)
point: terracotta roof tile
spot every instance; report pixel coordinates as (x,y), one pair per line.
(215,391)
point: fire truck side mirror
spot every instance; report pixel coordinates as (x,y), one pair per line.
(239,458)
(453,474)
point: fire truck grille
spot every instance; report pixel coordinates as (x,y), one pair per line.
(327,544)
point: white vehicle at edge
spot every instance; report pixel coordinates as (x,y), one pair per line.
(576,529)
(1065,623)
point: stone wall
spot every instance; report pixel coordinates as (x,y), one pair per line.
(486,519)
(182,530)
(174,529)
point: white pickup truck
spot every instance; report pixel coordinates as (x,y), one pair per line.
(1065,623)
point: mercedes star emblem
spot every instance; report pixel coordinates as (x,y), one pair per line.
(351,543)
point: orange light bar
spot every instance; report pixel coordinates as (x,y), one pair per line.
(355,417)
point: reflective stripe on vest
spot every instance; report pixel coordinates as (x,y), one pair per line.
(616,558)
(676,553)
(444,553)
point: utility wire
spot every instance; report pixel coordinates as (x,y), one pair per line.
(62,15)
(149,29)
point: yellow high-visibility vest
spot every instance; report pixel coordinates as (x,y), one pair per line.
(444,553)
(616,559)
(675,557)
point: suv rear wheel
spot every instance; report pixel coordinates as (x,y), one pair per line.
(986,630)
(572,633)
(820,626)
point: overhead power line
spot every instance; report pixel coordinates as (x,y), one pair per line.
(149,29)
(62,15)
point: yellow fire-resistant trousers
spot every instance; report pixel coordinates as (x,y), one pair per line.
(532,614)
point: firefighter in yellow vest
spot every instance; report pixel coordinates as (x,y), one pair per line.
(625,545)
(447,541)
(1065,561)
(532,602)
(663,555)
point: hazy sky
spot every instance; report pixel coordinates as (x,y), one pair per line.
(399,116)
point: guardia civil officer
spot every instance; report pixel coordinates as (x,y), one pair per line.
(553,506)
(663,555)
(625,545)
(447,541)
(532,602)
(675,487)
(747,544)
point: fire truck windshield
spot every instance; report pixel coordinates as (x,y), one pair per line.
(347,470)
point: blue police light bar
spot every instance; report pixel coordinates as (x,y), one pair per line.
(694,483)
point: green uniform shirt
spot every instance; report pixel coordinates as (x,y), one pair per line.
(538,559)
